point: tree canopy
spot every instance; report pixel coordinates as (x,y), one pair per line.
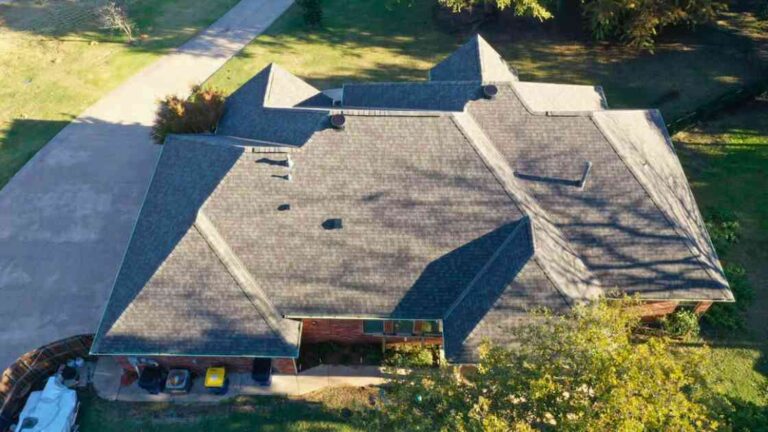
(636,22)
(580,372)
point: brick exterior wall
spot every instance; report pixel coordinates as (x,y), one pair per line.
(350,331)
(285,366)
(656,309)
(198,365)
(702,307)
(335,330)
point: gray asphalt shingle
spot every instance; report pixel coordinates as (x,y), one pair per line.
(453,207)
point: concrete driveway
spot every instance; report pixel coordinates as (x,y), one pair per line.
(66,217)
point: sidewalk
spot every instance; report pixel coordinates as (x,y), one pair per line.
(106,382)
(67,215)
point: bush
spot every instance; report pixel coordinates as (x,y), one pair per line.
(724,230)
(312,11)
(730,316)
(411,356)
(684,324)
(198,114)
(114,16)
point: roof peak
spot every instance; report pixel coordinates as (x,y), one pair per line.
(476,60)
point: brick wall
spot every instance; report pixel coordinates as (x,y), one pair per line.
(335,330)
(702,307)
(656,309)
(350,331)
(284,366)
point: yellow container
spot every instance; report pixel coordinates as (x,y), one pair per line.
(215,376)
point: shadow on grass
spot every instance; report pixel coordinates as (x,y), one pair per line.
(696,66)
(240,414)
(24,138)
(158,26)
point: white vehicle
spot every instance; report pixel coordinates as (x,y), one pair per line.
(53,409)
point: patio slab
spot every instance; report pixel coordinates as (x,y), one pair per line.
(106,382)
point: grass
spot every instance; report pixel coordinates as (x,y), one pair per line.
(327,410)
(726,160)
(369,40)
(55,62)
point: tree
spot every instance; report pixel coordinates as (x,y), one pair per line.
(635,22)
(312,12)
(583,371)
(638,22)
(533,8)
(198,114)
(113,16)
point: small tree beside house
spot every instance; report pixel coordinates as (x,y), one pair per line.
(583,371)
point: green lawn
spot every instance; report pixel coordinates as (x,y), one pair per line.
(365,40)
(320,411)
(726,160)
(55,62)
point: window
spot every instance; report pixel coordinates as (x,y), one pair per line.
(430,327)
(373,326)
(403,327)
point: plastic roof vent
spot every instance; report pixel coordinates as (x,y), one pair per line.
(333,224)
(338,121)
(490,91)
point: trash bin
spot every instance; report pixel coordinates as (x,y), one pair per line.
(261,372)
(152,379)
(216,380)
(179,381)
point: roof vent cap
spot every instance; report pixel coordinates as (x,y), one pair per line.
(338,121)
(332,224)
(585,174)
(490,91)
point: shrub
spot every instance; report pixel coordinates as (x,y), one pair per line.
(114,16)
(684,323)
(411,356)
(198,114)
(724,230)
(730,316)
(312,11)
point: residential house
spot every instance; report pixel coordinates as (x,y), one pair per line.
(442,211)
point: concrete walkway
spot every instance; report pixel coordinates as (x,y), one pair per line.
(106,382)
(66,217)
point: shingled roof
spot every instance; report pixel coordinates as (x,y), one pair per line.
(452,206)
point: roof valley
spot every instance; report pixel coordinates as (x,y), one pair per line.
(523,228)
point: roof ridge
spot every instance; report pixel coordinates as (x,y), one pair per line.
(523,223)
(239,272)
(577,282)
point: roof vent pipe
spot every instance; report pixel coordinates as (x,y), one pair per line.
(585,174)
(490,91)
(289,162)
(338,121)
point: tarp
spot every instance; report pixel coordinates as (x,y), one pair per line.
(51,410)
